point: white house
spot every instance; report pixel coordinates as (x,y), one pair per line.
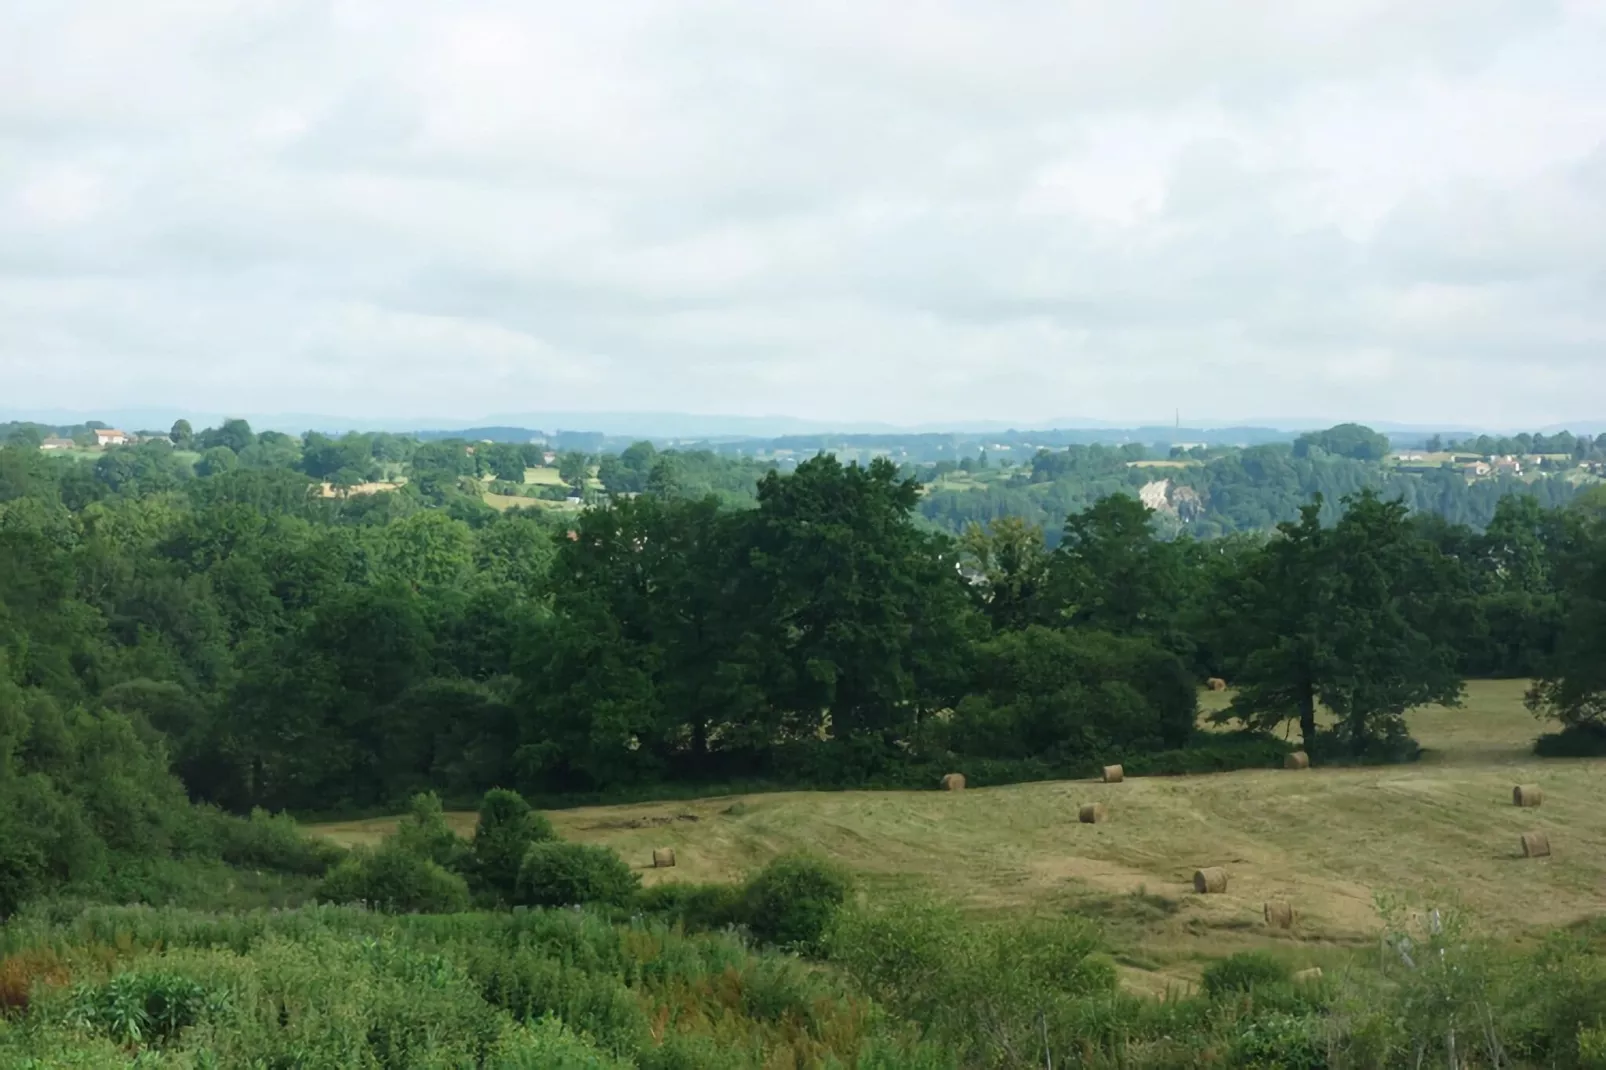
(54,443)
(108,436)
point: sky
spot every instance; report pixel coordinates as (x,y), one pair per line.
(903,211)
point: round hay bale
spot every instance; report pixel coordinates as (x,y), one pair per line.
(663,858)
(1296,760)
(1216,683)
(1113,774)
(1535,845)
(1210,881)
(1092,813)
(1306,976)
(1527,795)
(1279,915)
(953,782)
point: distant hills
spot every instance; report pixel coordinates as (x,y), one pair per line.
(687,427)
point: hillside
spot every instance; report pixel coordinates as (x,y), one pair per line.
(1328,841)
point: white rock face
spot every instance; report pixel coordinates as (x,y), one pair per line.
(1156,495)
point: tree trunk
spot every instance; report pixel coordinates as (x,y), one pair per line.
(1307,715)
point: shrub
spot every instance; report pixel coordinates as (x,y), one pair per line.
(556,874)
(1243,972)
(696,907)
(793,900)
(506,829)
(423,831)
(1069,694)
(141,1007)
(265,841)
(1281,1042)
(395,880)
(1586,740)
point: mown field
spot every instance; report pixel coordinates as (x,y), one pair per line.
(1329,841)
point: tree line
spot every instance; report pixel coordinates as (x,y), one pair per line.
(293,650)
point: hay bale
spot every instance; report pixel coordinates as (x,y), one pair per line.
(663,858)
(1535,845)
(953,782)
(1092,813)
(1210,881)
(1113,774)
(1296,760)
(1527,795)
(1306,976)
(1279,915)
(1216,683)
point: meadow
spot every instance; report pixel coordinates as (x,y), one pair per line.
(1328,841)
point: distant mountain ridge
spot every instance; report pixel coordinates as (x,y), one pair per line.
(694,426)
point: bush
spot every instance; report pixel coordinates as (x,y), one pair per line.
(1069,694)
(696,907)
(1244,972)
(1586,740)
(265,841)
(395,880)
(1281,1042)
(506,829)
(423,832)
(792,901)
(140,1007)
(556,874)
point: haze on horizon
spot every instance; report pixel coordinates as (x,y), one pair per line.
(908,213)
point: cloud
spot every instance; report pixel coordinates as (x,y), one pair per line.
(923,211)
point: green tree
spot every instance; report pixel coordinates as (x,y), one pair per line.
(1357,617)
(865,617)
(235,434)
(1009,566)
(216,461)
(573,468)
(1572,686)
(1112,573)
(182,434)
(1355,441)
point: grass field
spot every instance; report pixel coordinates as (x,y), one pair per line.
(1325,840)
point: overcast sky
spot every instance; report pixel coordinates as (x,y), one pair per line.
(910,210)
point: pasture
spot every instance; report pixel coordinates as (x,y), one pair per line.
(1328,841)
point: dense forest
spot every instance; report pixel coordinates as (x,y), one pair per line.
(203,628)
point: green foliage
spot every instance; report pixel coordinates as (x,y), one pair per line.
(793,900)
(1002,993)
(1354,441)
(1574,741)
(1359,617)
(1282,1042)
(423,831)
(1244,972)
(507,828)
(554,873)
(1071,694)
(393,879)
(696,907)
(265,841)
(140,1008)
